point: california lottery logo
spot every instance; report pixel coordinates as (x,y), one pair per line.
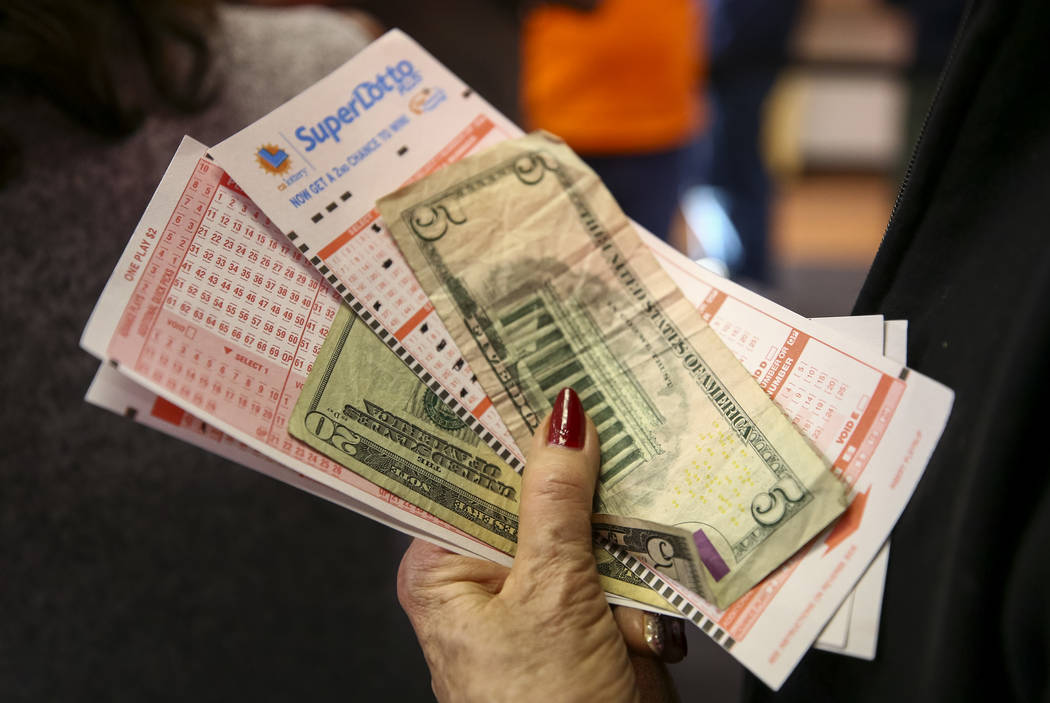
(273,159)
(426,100)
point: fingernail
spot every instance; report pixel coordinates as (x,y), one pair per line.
(567,421)
(666,637)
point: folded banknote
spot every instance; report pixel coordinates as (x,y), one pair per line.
(362,407)
(543,283)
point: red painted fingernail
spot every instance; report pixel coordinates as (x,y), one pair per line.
(567,421)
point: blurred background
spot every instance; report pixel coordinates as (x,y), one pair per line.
(765,138)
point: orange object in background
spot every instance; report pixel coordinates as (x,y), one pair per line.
(622,78)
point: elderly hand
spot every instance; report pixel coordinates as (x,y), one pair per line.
(541,630)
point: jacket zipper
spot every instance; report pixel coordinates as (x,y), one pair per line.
(926,120)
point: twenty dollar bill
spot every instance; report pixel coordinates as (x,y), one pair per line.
(362,407)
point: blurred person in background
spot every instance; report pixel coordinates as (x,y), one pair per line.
(136,566)
(620,83)
(749,46)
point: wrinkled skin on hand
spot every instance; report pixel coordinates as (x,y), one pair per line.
(541,630)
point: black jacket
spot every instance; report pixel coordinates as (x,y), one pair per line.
(966,258)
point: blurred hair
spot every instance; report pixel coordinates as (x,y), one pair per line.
(107,63)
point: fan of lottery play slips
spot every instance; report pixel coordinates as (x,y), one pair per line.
(234,280)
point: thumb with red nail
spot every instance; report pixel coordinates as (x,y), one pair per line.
(541,630)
